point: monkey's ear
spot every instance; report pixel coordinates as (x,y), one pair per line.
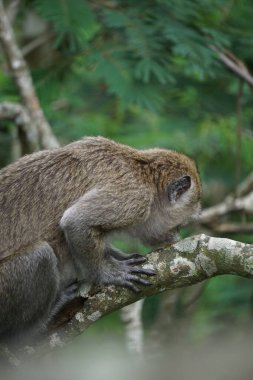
(178,187)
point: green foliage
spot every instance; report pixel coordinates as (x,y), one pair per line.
(138,48)
(5,144)
(8,92)
(73,20)
(227,302)
(141,72)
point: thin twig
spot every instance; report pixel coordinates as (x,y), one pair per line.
(42,132)
(232,228)
(238,133)
(234,64)
(18,114)
(35,43)
(230,204)
(12,10)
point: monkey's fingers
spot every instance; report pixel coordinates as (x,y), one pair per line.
(130,285)
(148,272)
(139,280)
(137,260)
(136,256)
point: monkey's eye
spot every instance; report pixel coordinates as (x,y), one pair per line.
(178,187)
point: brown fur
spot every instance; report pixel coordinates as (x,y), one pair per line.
(37,189)
(58,209)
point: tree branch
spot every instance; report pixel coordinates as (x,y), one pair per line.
(232,228)
(238,160)
(245,186)
(35,43)
(234,64)
(18,68)
(12,10)
(18,114)
(14,112)
(188,262)
(230,204)
(132,320)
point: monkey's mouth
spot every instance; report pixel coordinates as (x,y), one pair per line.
(170,239)
(173,240)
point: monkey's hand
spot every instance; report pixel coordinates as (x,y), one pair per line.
(126,272)
(88,223)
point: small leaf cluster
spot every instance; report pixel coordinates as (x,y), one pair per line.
(139,50)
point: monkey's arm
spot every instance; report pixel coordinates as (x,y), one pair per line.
(91,220)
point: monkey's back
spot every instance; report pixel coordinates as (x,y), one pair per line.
(36,189)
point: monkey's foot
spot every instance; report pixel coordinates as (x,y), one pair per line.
(71,290)
(68,294)
(126,273)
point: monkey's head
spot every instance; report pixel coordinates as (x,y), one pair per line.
(177,200)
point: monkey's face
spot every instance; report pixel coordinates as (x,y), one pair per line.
(176,206)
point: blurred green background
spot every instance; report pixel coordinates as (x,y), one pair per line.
(143,73)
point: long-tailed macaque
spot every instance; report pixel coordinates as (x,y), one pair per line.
(59,209)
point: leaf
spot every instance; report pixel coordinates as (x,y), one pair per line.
(112,69)
(115,19)
(147,67)
(74,19)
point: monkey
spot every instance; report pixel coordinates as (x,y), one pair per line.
(59,210)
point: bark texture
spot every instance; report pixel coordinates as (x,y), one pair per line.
(40,131)
(185,263)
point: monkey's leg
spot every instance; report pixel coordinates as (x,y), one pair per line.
(29,291)
(86,225)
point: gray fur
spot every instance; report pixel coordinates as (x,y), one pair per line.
(60,207)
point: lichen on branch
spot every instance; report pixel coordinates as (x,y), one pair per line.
(185,263)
